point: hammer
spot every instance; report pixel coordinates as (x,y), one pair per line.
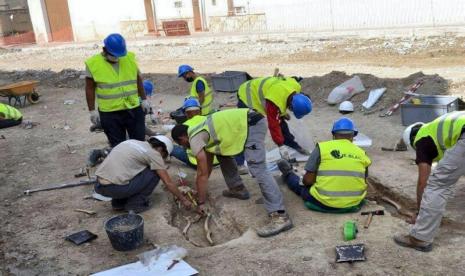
(370,216)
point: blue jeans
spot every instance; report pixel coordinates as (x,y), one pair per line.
(289,139)
(181,154)
(292,180)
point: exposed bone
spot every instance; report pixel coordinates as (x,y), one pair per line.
(208,233)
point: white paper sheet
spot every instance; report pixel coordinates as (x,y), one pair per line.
(155,268)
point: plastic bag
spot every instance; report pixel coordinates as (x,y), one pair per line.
(373,97)
(346,90)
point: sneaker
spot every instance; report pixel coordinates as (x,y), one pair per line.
(284,166)
(239,193)
(242,169)
(409,241)
(278,223)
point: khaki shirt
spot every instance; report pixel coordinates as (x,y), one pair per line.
(128,159)
(199,141)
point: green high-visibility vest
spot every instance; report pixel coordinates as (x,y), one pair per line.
(9,112)
(340,180)
(254,93)
(115,90)
(208,96)
(444,130)
(227,129)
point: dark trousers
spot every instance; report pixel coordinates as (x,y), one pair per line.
(9,122)
(117,123)
(134,193)
(181,154)
(289,139)
(292,180)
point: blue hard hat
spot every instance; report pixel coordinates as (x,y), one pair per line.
(301,105)
(190,102)
(115,45)
(344,125)
(184,69)
(148,87)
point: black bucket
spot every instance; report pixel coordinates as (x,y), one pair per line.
(126,232)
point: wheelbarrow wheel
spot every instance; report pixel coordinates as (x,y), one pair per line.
(33,97)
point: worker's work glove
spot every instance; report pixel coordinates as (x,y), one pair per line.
(146,106)
(284,153)
(94,117)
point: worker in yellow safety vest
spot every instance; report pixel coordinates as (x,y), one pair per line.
(336,171)
(272,97)
(224,134)
(199,88)
(442,140)
(9,116)
(113,77)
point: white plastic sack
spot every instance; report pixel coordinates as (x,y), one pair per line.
(346,90)
(373,97)
(362,140)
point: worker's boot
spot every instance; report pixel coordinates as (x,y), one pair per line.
(279,222)
(138,204)
(302,151)
(95,157)
(285,167)
(239,192)
(118,203)
(242,169)
(409,241)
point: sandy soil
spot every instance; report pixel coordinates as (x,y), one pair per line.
(33,227)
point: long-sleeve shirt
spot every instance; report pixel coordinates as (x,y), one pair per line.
(273,118)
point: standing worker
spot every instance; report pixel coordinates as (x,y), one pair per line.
(114,79)
(335,177)
(9,116)
(199,89)
(225,134)
(441,140)
(271,97)
(131,172)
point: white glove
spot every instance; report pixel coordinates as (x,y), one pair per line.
(94,117)
(146,106)
(284,153)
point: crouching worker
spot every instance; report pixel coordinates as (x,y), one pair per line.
(335,178)
(9,116)
(131,172)
(226,134)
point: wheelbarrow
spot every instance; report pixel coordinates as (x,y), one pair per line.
(20,91)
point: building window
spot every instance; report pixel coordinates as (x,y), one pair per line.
(239,10)
(178,4)
(213,2)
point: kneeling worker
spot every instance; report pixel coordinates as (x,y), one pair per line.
(441,140)
(225,134)
(131,172)
(9,116)
(335,178)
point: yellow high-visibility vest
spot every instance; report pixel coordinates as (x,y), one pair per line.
(208,95)
(227,129)
(115,90)
(9,112)
(444,130)
(254,93)
(340,180)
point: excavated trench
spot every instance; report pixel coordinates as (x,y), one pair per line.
(222,225)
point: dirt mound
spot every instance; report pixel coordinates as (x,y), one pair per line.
(319,87)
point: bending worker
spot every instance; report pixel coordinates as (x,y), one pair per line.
(335,177)
(199,89)
(9,116)
(441,140)
(225,134)
(112,77)
(191,108)
(131,172)
(271,97)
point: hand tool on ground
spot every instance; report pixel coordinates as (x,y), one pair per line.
(370,215)
(172,264)
(400,146)
(89,212)
(405,98)
(62,186)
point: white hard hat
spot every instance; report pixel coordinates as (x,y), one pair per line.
(346,106)
(407,133)
(165,140)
